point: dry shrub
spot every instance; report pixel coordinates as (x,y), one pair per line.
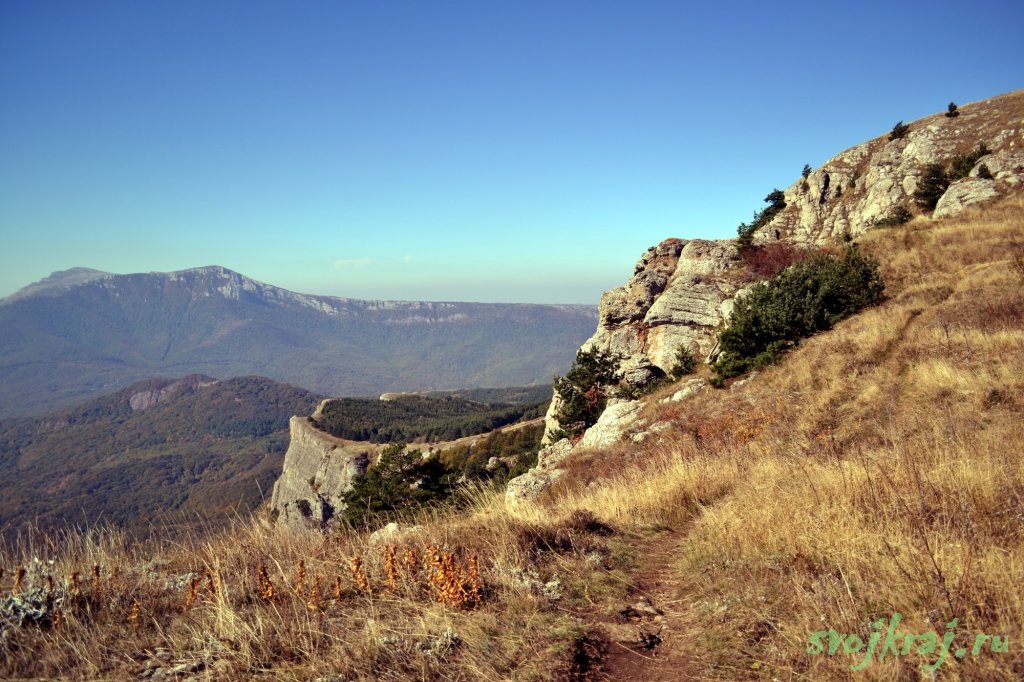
(764,261)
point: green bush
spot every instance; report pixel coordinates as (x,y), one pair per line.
(896,217)
(398,484)
(932,186)
(984,173)
(419,417)
(937,178)
(686,362)
(899,131)
(471,460)
(806,298)
(776,201)
(584,391)
(951,110)
(960,166)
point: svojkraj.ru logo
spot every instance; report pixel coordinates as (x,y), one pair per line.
(885,640)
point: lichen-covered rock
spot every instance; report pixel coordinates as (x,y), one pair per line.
(553,455)
(616,419)
(695,303)
(393,533)
(680,294)
(676,297)
(318,470)
(1006,166)
(531,485)
(855,189)
(964,193)
(690,387)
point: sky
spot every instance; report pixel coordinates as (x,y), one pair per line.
(463,151)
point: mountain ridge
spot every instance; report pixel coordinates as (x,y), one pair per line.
(62,280)
(81,332)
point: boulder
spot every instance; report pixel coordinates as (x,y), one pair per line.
(691,387)
(964,193)
(531,485)
(612,424)
(553,455)
(392,534)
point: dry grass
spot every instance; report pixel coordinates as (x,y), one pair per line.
(877,469)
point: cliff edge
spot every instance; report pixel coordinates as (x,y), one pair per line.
(318,470)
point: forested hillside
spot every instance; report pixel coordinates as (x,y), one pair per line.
(422,418)
(162,455)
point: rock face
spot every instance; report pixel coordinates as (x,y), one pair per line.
(853,190)
(611,425)
(682,291)
(318,470)
(680,294)
(159,391)
(674,298)
(534,483)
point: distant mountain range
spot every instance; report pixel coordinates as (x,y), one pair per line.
(81,333)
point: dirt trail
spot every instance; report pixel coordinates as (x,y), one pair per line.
(653,636)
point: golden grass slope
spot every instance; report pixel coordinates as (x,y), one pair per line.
(877,469)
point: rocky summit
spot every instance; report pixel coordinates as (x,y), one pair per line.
(682,291)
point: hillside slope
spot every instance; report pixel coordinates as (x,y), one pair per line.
(683,290)
(874,471)
(160,456)
(82,333)
(869,486)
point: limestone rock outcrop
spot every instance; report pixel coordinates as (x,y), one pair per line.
(855,189)
(158,391)
(318,470)
(964,193)
(617,418)
(677,296)
(682,291)
(680,295)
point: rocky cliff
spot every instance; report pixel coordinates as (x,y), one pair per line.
(682,291)
(318,470)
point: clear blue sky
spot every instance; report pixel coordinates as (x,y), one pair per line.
(489,151)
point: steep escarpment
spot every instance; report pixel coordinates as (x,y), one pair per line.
(332,448)
(318,470)
(681,290)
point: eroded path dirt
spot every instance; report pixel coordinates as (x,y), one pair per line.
(652,636)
